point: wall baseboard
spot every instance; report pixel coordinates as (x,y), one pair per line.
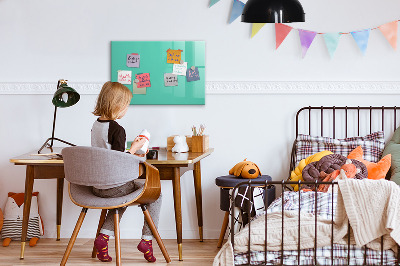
(231,87)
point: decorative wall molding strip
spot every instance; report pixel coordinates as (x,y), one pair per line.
(304,87)
(234,87)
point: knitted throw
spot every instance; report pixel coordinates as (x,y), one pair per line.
(373,209)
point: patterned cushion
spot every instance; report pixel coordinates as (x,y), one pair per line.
(372,144)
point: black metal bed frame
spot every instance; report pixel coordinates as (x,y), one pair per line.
(283,184)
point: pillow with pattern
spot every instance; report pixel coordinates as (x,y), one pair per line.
(372,145)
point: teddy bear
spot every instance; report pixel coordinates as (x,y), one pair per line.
(245,169)
(13,215)
(180,144)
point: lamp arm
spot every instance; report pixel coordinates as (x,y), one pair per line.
(54,118)
(54,126)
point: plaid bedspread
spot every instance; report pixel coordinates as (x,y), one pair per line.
(324,257)
(307,202)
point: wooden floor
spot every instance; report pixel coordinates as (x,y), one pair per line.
(50,252)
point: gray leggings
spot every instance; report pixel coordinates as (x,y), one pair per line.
(154,208)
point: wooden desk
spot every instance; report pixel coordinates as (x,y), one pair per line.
(171,167)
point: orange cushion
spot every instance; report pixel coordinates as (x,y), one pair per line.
(375,170)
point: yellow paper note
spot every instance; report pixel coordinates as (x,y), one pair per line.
(174,56)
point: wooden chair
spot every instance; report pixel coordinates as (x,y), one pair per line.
(85,167)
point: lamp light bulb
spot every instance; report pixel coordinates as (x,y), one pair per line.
(64,97)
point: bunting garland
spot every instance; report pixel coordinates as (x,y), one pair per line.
(237,9)
(332,41)
(306,39)
(213,2)
(281,31)
(389,30)
(361,37)
(256,27)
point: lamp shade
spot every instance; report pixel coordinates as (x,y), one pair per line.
(65,96)
(273,11)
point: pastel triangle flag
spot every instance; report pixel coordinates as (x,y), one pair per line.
(389,30)
(256,28)
(213,2)
(306,39)
(281,31)
(237,9)
(332,41)
(361,37)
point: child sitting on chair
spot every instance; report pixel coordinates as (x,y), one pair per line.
(112,103)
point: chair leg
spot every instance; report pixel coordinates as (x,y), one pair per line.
(154,230)
(223,229)
(73,237)
(101,222)
(117,239)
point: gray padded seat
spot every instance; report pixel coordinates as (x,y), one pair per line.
(83,195)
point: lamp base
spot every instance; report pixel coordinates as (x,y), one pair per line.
(50,146)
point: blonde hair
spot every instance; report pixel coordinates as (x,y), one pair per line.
(112,99)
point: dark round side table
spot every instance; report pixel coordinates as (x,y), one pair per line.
(228,182)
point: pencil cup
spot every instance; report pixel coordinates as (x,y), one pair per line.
(200,143)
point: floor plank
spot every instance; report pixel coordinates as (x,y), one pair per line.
(49,252)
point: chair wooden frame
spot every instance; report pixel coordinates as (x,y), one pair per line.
(150,193)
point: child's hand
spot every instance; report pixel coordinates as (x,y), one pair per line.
(137,144)
(142,155)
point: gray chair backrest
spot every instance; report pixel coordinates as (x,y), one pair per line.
(92,166)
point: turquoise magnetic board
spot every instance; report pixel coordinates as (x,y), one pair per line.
(142,57)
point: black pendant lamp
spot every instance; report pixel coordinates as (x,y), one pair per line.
(273,11)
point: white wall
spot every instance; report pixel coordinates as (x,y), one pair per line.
(42,41)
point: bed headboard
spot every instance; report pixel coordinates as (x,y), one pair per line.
(344,121)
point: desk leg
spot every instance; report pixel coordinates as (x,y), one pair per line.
(176,182)
(60,190)
(199,204)
(27,206)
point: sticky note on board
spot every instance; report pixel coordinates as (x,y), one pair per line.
(144,80)
(124,76)
(170,80)
(133,60)
(137,90)
(174,56)
(180,69)
(192,75)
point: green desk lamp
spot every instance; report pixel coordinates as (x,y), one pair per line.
(65,96)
